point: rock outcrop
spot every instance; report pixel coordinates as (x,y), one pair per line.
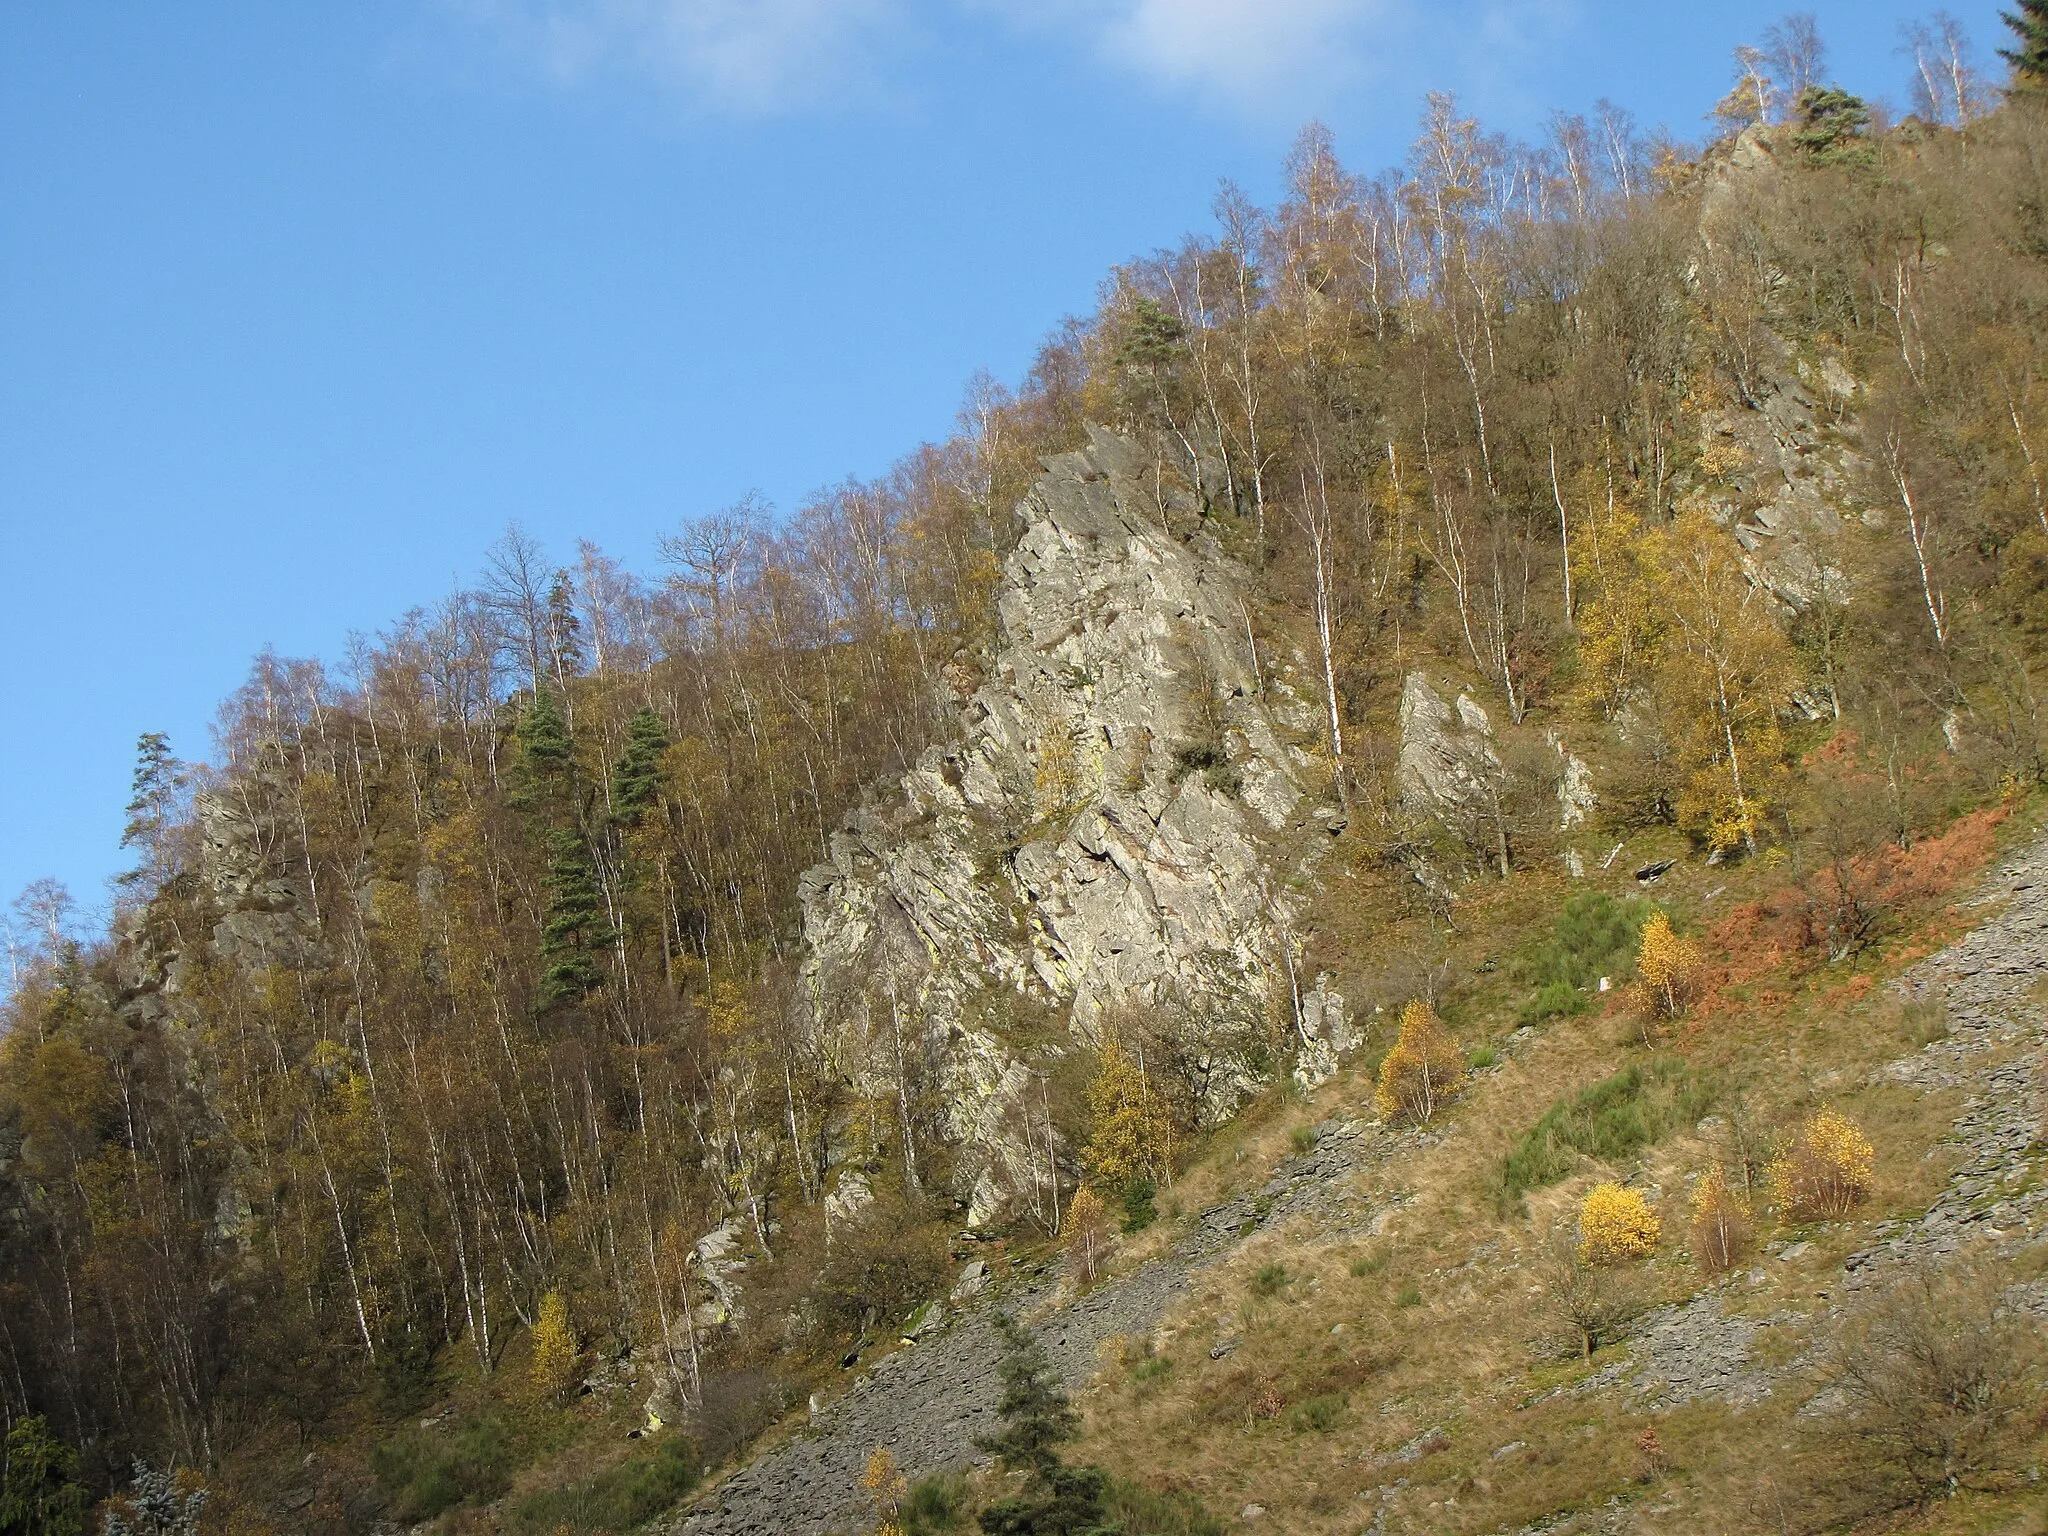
(1447,766)
(1451,771)
(1101,838)
(249,892)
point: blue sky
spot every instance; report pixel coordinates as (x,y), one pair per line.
(299,305)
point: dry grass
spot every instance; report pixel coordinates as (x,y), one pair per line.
(1417,1351)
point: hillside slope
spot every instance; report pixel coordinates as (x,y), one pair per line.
(1462,695)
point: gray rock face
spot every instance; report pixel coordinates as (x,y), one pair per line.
(265,912)
(1326,1034)
(249,881)
(1099,838)
(1448,766)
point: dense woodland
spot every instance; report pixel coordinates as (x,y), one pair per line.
(517,1027)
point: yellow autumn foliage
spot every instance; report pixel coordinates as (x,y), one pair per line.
(1721,1228)
(1616,1225)
(1825,1170)
(1424,1068)
(1668,968)
(1084,1234)
(1132,1136)
(553,1365)
(885,1487)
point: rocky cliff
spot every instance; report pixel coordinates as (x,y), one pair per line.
(1101,841)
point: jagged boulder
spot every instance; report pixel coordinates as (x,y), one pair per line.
(1448,766)
(1101,835)
(1327,1034)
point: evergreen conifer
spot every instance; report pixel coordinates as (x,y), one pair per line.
(575,927)
(1038,1418)
(565,630)
(1830,125)
(151,809)
(636,777)
(2029,59)
(40,1494)
(545,775)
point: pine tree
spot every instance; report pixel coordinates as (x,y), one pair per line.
(575,928)
(40,1494)
(2029,60)
(154,1506)
(544,777)
(1038,1418)
(151,810)
(565,630)
(636,777)
(1830,126)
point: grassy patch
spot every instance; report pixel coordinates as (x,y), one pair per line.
(423,1475)
(937,1504)
(1271,1280)
(1318,1415)
(1612,1121)
(615,1500)
(1595,935)
(1136,1511)
(1152,1369)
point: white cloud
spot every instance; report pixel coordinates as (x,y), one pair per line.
(1253,53)
(749,56)
(1268,57)
(1250,50)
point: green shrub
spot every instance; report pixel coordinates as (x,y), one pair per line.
(615,1500)
(1368,1264)
(1484,1057)
(1410,1295)
(935,1504)
(1612,1120)
(1152,1368)
(1554,999)
(1593,936)
(1319,1414)
(1271,1280)
(422,1476)
(1303,1139)
(1140,1211)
